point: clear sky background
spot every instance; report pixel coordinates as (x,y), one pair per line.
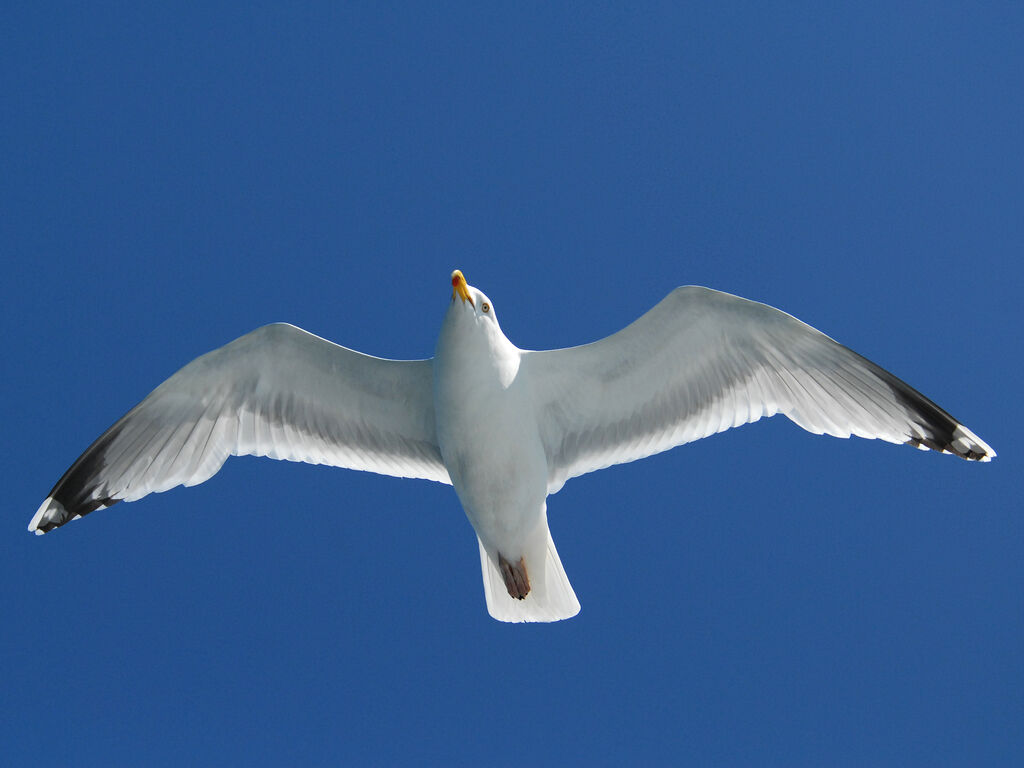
(171,179)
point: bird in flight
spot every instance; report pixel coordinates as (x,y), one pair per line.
(505,426)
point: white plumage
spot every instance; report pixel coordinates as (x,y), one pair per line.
(507,427)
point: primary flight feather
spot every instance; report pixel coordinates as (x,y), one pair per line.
(506,427)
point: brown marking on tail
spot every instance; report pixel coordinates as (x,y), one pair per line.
(516,581)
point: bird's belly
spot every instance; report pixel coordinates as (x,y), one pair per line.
(504,498)
(498,467)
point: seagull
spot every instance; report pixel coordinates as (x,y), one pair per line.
(505,426)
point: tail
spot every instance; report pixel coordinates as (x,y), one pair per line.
(550,597)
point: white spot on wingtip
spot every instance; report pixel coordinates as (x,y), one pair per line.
(47,511)
(964,436)
(38,516)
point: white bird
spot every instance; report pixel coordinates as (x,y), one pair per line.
(505,426)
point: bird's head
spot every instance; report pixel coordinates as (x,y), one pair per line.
(471,338)
(469,302)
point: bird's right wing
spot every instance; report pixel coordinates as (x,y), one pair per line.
(702,361)
(277,391)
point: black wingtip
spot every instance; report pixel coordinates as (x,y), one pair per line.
(77,493)
(937,430)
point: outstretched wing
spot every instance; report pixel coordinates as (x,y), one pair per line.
(277,391)
(702,361)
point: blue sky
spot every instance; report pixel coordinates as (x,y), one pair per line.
(174,178)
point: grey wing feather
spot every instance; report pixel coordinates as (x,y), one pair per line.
(702,361)
(277,391)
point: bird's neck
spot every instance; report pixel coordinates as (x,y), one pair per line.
(477,351)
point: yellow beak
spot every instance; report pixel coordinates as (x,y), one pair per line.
(460,288)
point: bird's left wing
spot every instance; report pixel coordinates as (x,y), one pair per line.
(702,361)
(277,391)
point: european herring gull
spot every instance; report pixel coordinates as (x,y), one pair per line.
(505,426)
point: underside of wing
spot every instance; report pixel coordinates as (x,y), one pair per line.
(277,391)
(702,361)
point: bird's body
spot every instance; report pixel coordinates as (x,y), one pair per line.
(506,427)
(496,461)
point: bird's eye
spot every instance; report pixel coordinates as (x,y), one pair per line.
(485,307)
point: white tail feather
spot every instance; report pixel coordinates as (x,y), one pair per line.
(551,597)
